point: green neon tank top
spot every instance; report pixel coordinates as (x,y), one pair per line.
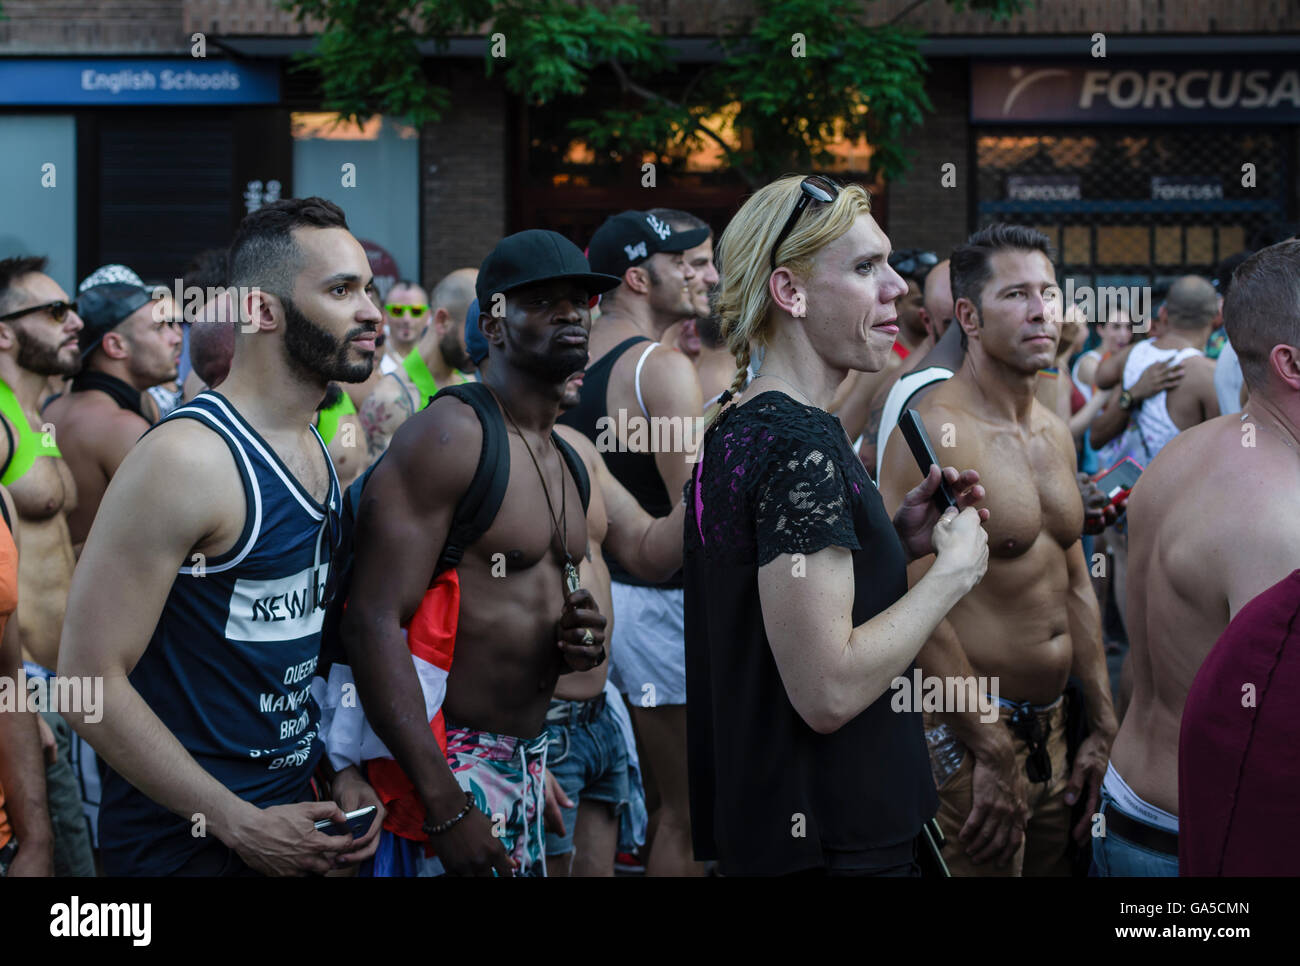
(30,445)
(328,424)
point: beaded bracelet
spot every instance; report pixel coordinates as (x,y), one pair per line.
(441,827)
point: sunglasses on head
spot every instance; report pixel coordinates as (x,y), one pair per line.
(397,311)
(913,262)
(58,310)
(814,188)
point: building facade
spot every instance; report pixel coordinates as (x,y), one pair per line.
(141,131)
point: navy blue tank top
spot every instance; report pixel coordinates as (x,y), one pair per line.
(229,667)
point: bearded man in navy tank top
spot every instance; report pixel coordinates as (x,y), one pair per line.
(201,591)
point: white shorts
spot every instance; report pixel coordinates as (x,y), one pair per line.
(648,662)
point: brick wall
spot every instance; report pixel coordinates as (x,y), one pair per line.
(923,213)
(464,168)
(93,27)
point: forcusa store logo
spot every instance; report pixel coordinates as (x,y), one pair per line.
(1166,89)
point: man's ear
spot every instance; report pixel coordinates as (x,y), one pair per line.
(637,278)
(115,345)
(788,292)
(967,316)
(259,310)
(440,319)
(1285,361)
(8,337)
(493,328)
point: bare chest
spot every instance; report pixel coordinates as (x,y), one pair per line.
(1030,490)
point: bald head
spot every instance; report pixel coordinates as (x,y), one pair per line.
(455,292)
(938,297)
(1192,303)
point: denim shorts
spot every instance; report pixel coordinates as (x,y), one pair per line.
(588,761)
(1114,855)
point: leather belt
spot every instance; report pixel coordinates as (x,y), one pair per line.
(1140,833)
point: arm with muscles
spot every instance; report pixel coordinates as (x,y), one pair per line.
(671,388)
(403,523)
(999,806)
(649,547)
(1088,665)
(165,500)
(832,670)
(22,765)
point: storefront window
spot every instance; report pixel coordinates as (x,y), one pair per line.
(371,171)
(1137,205)
(38,191)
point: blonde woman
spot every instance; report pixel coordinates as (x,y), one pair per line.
(798,617)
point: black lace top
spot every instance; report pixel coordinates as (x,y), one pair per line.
(779,477)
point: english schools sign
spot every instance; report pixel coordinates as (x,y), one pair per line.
(113,81)
(1145,93)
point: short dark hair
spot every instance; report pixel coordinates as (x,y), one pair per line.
(210,268)
(1224,270)
(264,255)
(1262,309)
(682,220)
(11,270)
(968,266)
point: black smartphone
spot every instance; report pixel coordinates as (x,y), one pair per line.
(358,823)
(1119,480)
(918,440)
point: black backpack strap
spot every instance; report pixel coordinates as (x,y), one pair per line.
(478,508)
(577,467)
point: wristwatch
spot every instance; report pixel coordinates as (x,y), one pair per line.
(1125,400)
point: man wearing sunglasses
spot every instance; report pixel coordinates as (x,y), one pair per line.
(438,359)
(39,326)
(406,315)
(201,590)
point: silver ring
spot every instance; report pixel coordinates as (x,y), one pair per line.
(588,638)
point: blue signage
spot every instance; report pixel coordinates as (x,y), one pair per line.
(172,80)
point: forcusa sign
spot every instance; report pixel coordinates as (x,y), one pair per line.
(1160,93)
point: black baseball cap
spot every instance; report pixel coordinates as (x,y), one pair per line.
(533,256)
(103,307)
(630,237)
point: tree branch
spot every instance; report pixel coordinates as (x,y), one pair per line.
(627,84)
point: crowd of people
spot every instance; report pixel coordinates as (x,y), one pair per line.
(620,559)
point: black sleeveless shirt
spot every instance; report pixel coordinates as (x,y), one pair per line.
(636,471)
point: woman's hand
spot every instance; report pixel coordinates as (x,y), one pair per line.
(962,546)
(917,516)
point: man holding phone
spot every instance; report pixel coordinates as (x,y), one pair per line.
(1005,786)
(201,591)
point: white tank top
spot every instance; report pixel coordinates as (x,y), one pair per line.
(1152,421)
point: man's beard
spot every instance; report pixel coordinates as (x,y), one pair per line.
(709,329)
(454,352)
(315,353)
(553,368)
(43,359)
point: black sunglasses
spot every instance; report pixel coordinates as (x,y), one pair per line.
(814,188)
(911,262)
(59,310)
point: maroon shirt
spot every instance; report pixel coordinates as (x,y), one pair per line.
(1239,766)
